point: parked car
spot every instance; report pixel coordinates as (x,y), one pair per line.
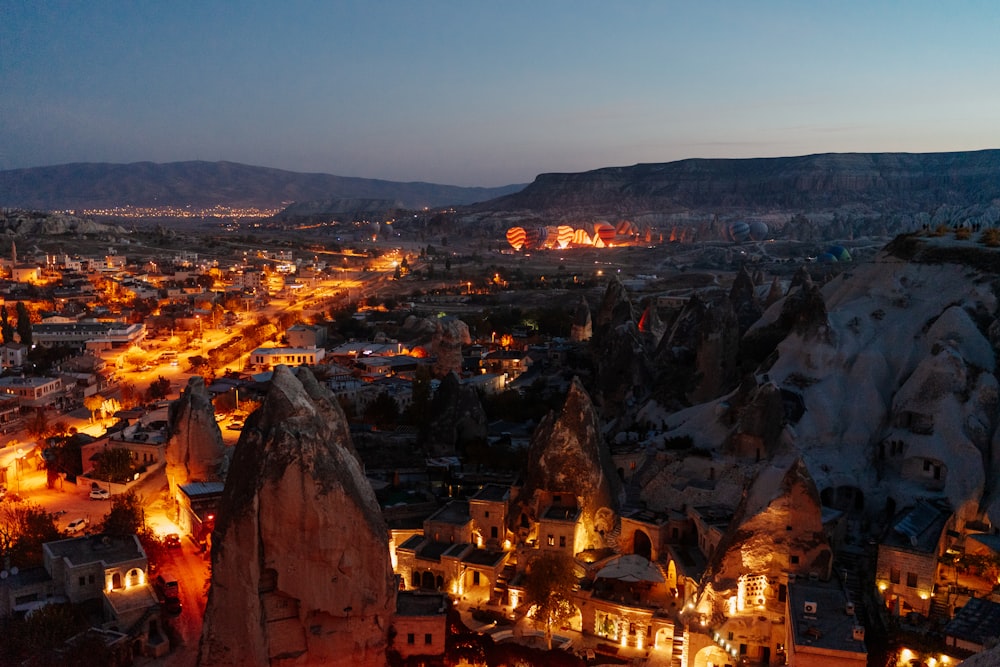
(100,494)
(235,426)
(172,541)
(76,525)
(169,594)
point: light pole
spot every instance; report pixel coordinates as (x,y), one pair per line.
(17,468)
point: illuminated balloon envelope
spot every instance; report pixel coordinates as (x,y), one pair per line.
(564,235)
(516,237)
(581,237)
(626,228)
(531,235)
(605,232)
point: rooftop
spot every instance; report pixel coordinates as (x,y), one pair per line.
(976,622)
(919,528)
(417,603)
(560,513)
(492,493)
(455,512)
(820,618)
(96,549)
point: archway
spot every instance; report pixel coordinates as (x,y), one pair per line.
(134,576)
(672,575)
(116,581)
(440,583)
(642,545)
(427,581)
(415,579)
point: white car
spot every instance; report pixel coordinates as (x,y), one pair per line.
(99,494)
(76,525)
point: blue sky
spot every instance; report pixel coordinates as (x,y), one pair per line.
(474,92)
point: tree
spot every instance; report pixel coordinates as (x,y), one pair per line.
(114,465)
(93,403)
(548,584)
(24,323)
(24,528)
(38,424)
(6,330)
(159,388)
(126,515)
(135,357)
(383,412)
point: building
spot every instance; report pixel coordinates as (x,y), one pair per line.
(266,358)
(197,506)
(304,335)
(32,391)
(420,624)
(94,336)
(908,556)
(822,630)
(975,626)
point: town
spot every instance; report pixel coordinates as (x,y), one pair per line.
(490,402)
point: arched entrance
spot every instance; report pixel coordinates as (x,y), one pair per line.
(116,581)
(641,544)
(427,581)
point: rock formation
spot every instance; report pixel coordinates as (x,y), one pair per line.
(569,458)
(449,337)
(778,528)
(458,419)
(300,555)
(582,328)
(195,450)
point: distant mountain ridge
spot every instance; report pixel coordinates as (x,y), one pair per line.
(858,185)
(206,184)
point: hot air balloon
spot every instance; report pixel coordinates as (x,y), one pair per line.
(605,232)
(758,230)
(739,232)
(564,235)
(839,253)
(581,237)
(516,237)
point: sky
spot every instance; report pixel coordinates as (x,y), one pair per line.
(489,93)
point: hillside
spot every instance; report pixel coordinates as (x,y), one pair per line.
(891,192)
(96,185)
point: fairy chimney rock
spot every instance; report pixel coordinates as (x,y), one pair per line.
(300,556)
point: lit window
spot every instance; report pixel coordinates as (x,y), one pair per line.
(552,540)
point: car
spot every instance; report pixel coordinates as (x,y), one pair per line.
(100,494)
(172,541)
(235,426)
(76,525)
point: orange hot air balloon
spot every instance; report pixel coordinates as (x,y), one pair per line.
(516,237)
(564,235)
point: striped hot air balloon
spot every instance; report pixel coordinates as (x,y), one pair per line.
(531,235)
(516,237)
(564,235)
(581,237)
(605,232)
(626,228)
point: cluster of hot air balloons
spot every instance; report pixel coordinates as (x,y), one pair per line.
(835,253)
(755,230)
(597,234)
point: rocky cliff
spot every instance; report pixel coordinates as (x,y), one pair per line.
(883,381)
(568,456)
(300,555)
(841,195)
(195,450)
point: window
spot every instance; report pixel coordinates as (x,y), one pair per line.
(894,575)
(487,514)
(795,560)
(562,540)
(83,581)
(911,579)
(90,579)
(493,531)
(475,578)
(552,541)
(428,638)
(411,638)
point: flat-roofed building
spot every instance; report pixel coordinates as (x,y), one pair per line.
(822,630)
(420,624)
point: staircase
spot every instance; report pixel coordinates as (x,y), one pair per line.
(677,657)
(939,611)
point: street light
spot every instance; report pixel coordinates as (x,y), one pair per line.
(17,468)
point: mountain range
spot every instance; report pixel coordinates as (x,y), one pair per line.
(206,184)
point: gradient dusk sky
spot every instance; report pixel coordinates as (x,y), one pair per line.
(474,92)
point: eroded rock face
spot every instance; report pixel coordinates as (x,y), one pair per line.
(568,457)
(449,337)
(780,517)
(300,555)
(582,328)
(459,419)
(195,450)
